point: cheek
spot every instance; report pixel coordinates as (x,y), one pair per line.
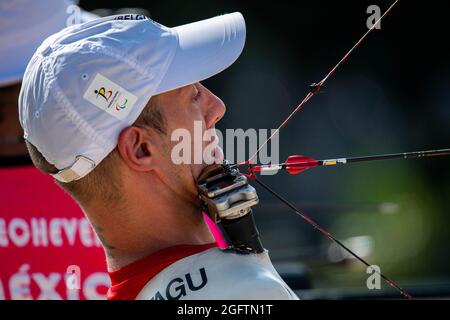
(187,141)
(173,151)
(186,170)
(183,181)
(185,131)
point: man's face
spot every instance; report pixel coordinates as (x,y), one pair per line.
(182,109)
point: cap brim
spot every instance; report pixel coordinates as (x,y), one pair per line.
(205,48)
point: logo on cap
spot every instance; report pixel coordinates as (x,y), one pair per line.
(110,97)
(123,106)
(102,92)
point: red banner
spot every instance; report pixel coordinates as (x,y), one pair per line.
(48,250)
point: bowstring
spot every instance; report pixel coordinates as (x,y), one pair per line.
(319,85)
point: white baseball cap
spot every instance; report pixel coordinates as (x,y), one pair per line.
(88,82)
(24,24)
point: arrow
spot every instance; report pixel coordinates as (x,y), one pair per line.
(296,164)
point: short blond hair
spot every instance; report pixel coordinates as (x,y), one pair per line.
(104,182)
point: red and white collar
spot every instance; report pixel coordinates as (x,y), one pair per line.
(128,281)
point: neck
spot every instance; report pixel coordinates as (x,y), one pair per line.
(135,231)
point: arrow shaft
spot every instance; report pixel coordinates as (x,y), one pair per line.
(340,161)
(403,155)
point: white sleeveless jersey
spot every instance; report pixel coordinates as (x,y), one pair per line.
(218,274)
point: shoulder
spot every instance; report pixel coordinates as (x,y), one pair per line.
(218,274)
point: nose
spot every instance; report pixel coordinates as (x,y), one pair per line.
(213,107)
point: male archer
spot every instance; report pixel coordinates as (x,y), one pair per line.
(116,162)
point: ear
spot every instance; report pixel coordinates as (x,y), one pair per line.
(135,148)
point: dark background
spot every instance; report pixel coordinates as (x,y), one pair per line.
(391,96)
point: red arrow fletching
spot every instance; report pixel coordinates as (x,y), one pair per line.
(297,164)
